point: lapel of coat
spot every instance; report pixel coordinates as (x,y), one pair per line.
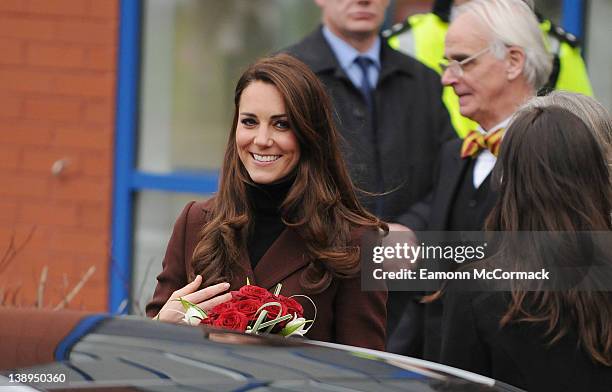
(283,258)
(392,61)
(245,271)
(315,52)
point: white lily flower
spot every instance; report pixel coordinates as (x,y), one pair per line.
(192,317)
(300,323)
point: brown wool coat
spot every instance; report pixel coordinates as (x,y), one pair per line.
(345,314)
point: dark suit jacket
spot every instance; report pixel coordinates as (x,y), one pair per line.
(345,314)
(516,354)
(453,173)
(411,123)
(416,329)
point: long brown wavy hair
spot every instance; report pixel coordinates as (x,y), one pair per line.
(553,177)
(321,205)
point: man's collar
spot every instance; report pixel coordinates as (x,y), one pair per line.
(503,124)
(316,52)
(346,54)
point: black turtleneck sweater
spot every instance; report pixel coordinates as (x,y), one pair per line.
(267,224)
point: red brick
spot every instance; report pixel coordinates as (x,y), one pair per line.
(91,32)
(101,58)
(24,133)
(9,157)
(21,185)
(99,113)
(83,262)
(57,71)
(25,27)
(95,216)
(93,297)
(8,213)
(104,9)
(26,239)
(9,106)
(12,51)
(26,81)
(58,264)
(12,5)
(71,240)
(81,189)
(62,278)
(95,85)
(99,139)
(97,164)
(48,214)
(58,7)
(42,159)
(19,292)
(53,109)
(49,55)
(63,273)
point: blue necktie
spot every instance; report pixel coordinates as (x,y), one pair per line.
(366,89)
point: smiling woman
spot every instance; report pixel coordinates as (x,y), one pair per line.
(267,146)
(286,212)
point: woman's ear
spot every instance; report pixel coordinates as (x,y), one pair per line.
(515,61)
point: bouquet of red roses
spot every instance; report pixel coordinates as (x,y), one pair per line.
(254,310)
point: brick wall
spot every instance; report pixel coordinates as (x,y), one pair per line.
(57,75)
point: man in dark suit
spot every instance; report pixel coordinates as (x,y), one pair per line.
(393,121)
(389,112)
(495,62)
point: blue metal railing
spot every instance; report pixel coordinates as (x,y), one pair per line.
(125,139)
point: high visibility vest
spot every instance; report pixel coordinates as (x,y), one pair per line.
(422,37)
(570,72)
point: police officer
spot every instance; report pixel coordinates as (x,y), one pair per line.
(422,36)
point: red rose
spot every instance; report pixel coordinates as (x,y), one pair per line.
(236,296)
(210,318)
(273,311)
(232,319)
(252,292)
(293,306)
(248,307)
(221,308)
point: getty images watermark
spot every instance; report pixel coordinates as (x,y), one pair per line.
(424,261)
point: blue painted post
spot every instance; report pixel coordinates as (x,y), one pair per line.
(573,17)
(120,271)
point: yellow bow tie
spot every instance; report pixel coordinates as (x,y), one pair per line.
(475,141)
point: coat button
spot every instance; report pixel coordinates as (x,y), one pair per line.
(357,113)
(472,203)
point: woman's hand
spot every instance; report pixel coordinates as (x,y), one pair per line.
(206,298)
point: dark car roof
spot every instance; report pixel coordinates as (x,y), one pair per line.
(132,353)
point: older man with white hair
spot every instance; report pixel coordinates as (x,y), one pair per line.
(495,60)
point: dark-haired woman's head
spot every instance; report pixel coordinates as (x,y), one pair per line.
(553,177)
(552,174)
(266,145)
(296,115)
(283,127)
